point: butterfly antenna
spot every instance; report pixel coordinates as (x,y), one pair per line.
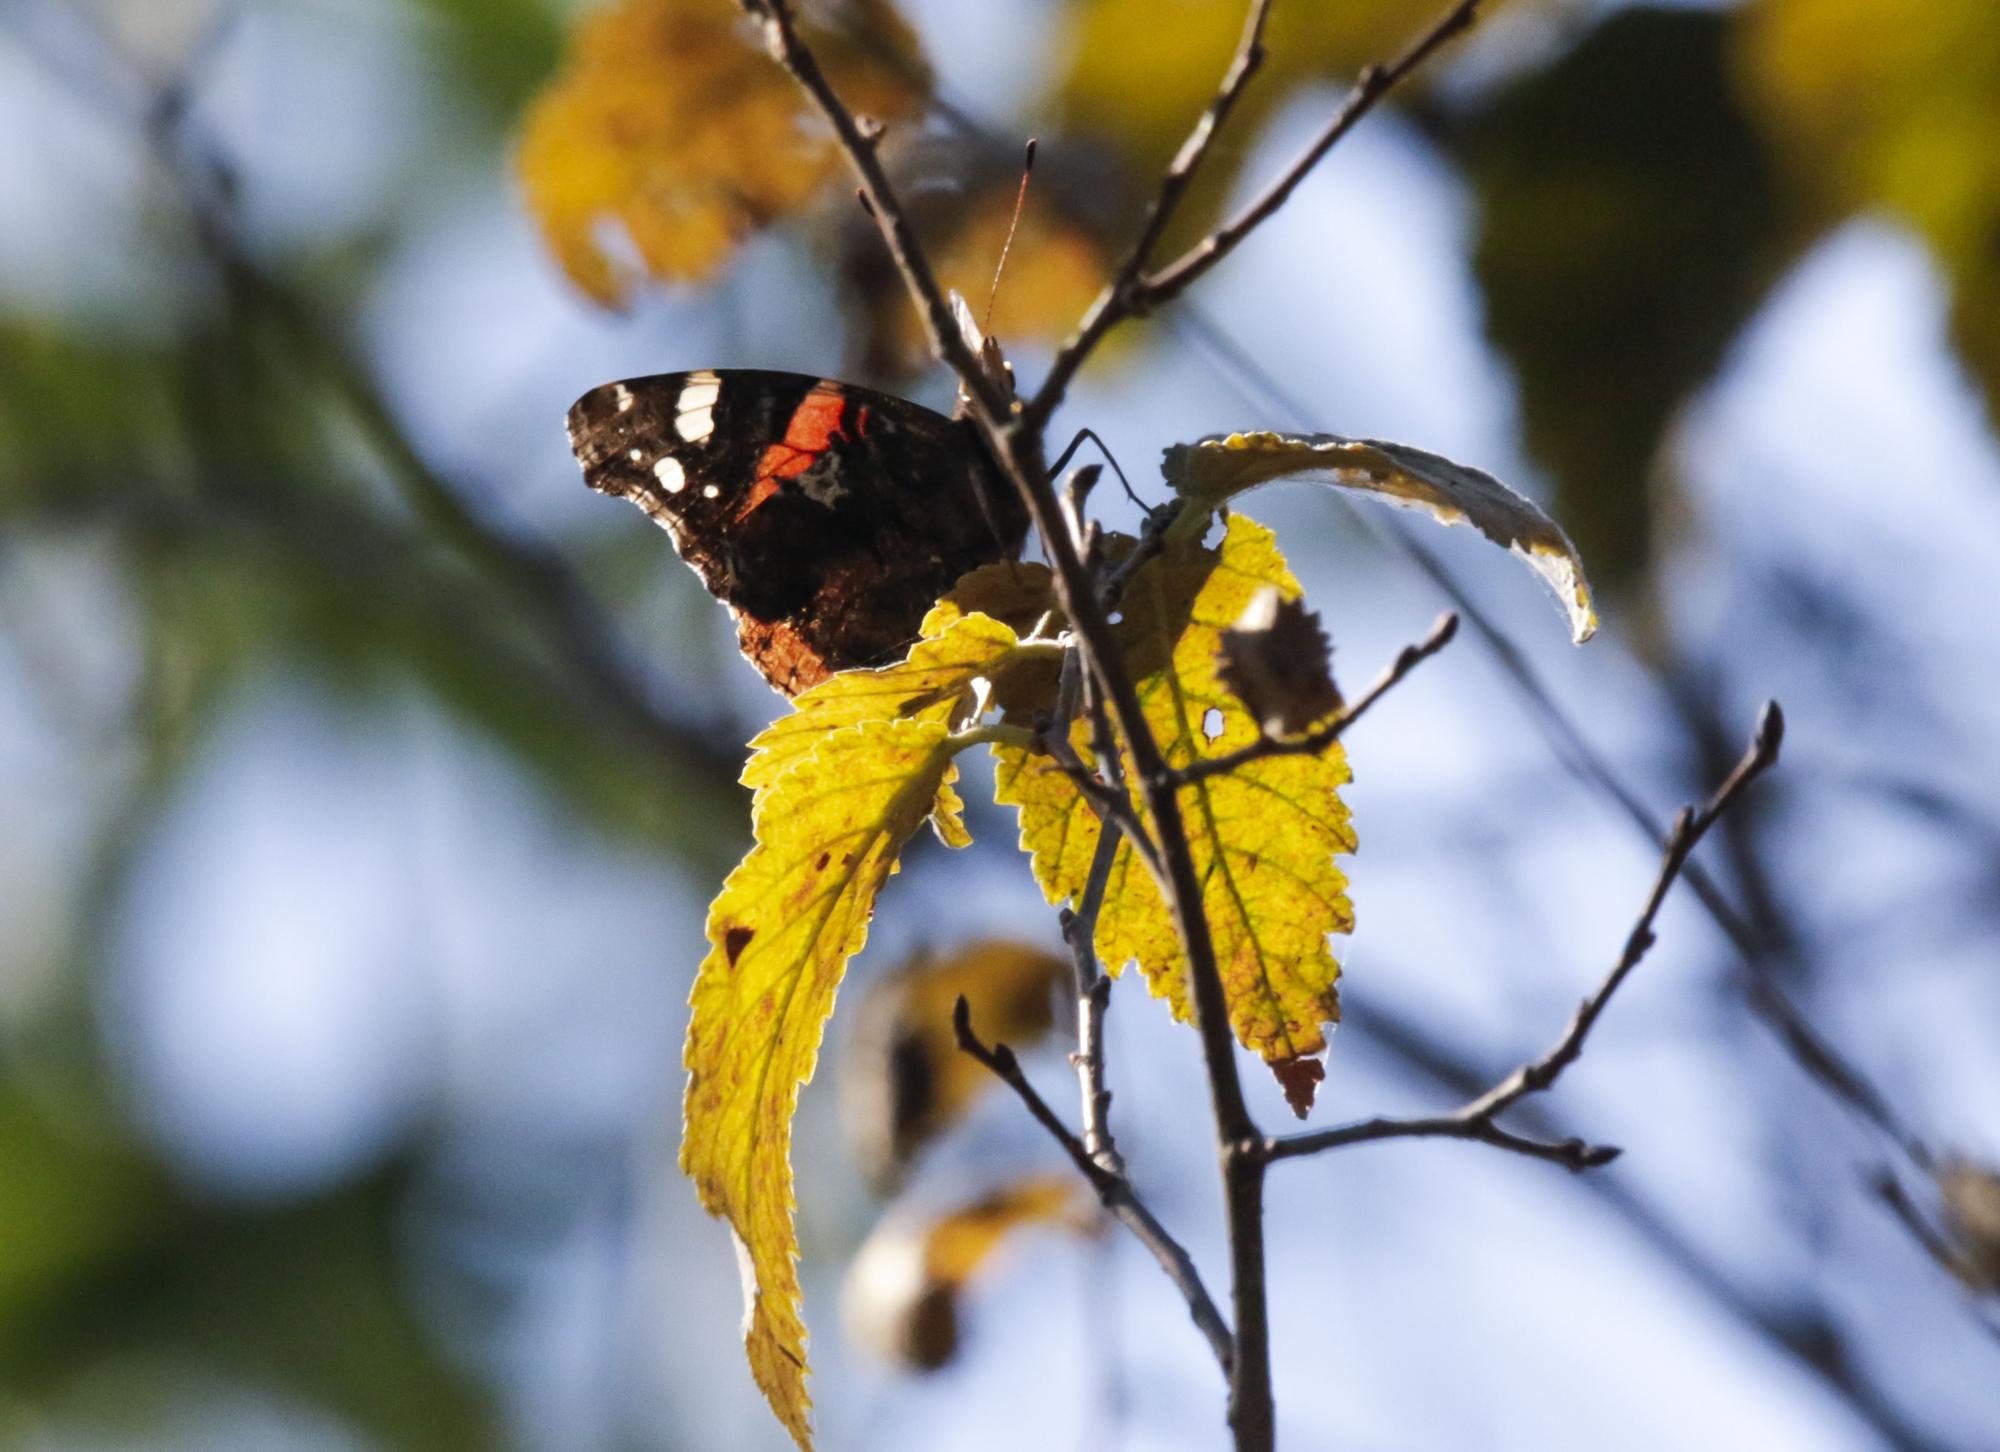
(1013,226)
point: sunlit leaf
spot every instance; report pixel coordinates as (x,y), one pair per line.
(1213,471)
(903,1288)
(933,683)
(838,791)
(904,1080)
(671,129)
(1264,838)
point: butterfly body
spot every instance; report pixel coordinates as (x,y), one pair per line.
(827,517)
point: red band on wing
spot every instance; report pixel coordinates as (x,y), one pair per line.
(815,427)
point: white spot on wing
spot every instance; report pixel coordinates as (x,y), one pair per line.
(695,409)
(672,477)
(636,455)
(622,396)
(709,491)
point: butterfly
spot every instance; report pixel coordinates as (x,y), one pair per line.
(827,517)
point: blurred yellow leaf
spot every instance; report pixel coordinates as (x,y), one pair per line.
(1136,73)
(902,1290)
(1211,472)
(1879,104)
(1264,837)
(840,785)
(1054,269)
(904,1080)
(1972,1213)
(669,124)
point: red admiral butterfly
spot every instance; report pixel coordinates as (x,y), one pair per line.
(828,518)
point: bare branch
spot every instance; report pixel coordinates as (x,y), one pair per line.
(1113,1189)
(1132,291)
(1808,1047)
(1477,1120)
(1370,87)
(1114,303)
(858,141)
(1093,998)
(1314,742)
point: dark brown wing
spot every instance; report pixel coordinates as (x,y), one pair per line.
(828,518)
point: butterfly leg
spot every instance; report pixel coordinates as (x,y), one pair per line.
(1076,443)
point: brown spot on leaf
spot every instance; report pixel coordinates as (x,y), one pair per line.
(735,940)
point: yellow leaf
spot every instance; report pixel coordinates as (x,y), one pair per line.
(1264,838)
(932,684)
(780,934)
(904,1080)
(670,125)
(838,787)
(1019,593)
(1210,472)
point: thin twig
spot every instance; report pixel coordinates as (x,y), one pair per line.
(1370,87)
(1808,1333)
(1314,742)
(782,39)
(1477,1120)
(1811,1050)
(1113,1189)
(1114,303)
(1093,998)
(1135,292)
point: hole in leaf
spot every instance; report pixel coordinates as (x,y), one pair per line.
(1211,723)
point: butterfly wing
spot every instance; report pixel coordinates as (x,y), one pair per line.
(827,517)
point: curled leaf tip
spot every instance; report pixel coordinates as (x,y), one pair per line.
(1212,471)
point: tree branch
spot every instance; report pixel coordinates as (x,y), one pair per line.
(1477,1120)
(789,50)
(1370,87)
(1811,1050)
(1133,291)
(1114,303)
(1093,998)
(1114,1190)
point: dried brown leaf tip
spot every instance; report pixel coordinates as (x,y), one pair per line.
(1277,661)
(1972,1209)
